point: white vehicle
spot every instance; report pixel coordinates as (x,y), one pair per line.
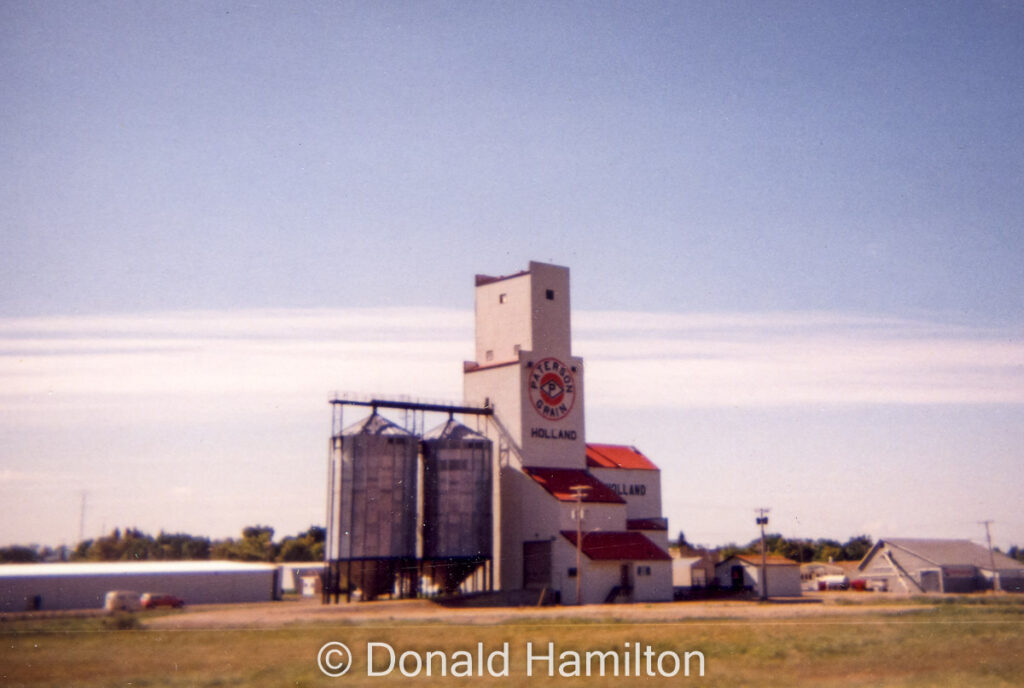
(833,582)
(122,601)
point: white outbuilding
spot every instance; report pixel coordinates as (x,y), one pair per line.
(25,587)
(743,572)
(918,565)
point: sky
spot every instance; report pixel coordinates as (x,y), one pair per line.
(794,231)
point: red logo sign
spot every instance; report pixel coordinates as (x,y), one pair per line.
(552,388)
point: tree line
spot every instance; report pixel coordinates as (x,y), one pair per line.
(255,544)
(803,550)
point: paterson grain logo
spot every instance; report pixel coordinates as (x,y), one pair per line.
(552,388)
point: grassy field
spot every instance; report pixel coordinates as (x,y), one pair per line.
(957,642)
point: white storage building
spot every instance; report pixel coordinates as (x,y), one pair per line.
(26,587)
(743,572)
(917,565)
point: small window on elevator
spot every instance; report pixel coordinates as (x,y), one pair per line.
(502,298)
(550,294)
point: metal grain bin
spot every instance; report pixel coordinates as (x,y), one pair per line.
(372,505)
(457,518)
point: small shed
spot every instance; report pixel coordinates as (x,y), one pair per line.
(743,572)
(292,574)
(691,569)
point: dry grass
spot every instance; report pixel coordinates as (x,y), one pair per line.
(945,644)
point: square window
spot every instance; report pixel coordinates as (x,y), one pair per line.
(572,572)
(489,355)
(550,294)
(502,298)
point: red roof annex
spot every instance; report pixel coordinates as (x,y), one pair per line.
(632,546)
(558,482)
(618,456)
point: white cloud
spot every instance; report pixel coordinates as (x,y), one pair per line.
(184,359)
(791,358)
(632,359)
(229,412)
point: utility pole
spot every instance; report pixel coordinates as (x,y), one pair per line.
(991,556)
(579,492)
(762,520)
(81,519)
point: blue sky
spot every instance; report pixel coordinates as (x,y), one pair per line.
(794,231)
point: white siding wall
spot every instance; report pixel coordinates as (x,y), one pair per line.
(85,591)
(599,577)
(656,587)
(783,581)
(625,481)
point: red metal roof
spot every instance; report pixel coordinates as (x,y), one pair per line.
(558,482)
(631,546)
(618,456)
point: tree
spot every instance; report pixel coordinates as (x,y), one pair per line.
(827,550)
(295,549)
(105,548)
(174,546)
(307,546)
(857,547)
(257,544)
(19,554)
(798,550)
(726,551)
(81,551)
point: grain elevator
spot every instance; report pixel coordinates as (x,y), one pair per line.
(513,500)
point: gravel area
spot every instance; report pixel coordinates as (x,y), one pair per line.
(309,612)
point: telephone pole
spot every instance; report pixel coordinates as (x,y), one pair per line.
(81,519)
(579,492)
(762,520)
(991,555)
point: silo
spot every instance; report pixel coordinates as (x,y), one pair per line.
(457,516)
(372,506)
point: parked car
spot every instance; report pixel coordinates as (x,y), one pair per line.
(152,600)
(122,601)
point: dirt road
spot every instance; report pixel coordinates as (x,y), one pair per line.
(309,612)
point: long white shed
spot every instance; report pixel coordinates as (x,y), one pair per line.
(84,585)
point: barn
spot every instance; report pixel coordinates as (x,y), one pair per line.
(920,565)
